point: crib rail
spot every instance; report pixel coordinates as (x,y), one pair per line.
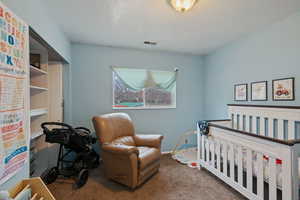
(224,125)
(230,155)
(272,121)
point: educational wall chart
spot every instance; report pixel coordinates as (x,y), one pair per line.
(13,81)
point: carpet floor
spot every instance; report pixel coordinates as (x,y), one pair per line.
(173,182)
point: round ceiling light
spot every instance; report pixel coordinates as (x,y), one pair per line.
(182,5)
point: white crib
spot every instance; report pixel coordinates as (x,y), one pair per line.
(263,138)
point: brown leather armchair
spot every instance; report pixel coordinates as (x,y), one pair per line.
(128,158)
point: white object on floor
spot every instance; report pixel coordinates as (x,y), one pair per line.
(186,156)
(185,152)
(4,195)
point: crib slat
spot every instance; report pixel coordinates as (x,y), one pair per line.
(225,158)
(240,166)
(291,130)
(271,127)
(260,176)
(218,156)
(287,179)
(231,159)
(232,119)
(272,179)
(212,148)
(236,119)
(254,124)
(280,129)
(198,145)
(247,123)
(295,175)
(249,170)
(262,127)
(242,122)
(207,151)
(203,148)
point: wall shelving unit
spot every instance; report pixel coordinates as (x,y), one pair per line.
(45,102)
(39,105)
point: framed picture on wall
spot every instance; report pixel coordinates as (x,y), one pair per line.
(241,92)
(259,91)
(284,89)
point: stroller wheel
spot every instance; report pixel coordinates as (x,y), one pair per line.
(92,160)
(82,178)
(50,175)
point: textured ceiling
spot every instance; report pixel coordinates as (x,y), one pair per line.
(128,23)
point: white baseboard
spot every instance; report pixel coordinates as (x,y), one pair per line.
(166,152)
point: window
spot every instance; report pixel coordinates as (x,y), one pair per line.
(143,89)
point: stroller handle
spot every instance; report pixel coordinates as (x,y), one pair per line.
(88,131)
(43,125)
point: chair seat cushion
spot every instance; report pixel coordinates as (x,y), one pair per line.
(126,140)
(147,156)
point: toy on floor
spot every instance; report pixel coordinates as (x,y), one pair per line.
(185,151)
(72,140)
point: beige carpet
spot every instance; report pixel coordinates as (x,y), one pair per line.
(173,182)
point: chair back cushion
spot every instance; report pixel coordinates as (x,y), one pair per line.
(114,128)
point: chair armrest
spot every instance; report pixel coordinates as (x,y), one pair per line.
(120,149)
(148,140)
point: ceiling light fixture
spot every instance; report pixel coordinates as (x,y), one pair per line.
(182,5)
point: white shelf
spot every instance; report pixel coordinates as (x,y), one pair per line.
(38,112)
(36,72)
(36,135)
(37,89)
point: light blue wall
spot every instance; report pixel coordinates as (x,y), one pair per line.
(92,88)
(36,15)
(269,54)
(67,93)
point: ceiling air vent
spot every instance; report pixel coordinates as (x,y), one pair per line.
(150,43)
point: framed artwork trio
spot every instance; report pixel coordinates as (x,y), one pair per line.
(282,90)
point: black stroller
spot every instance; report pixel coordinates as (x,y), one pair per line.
(75,141)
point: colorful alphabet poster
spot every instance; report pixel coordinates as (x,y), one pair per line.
(14,137)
